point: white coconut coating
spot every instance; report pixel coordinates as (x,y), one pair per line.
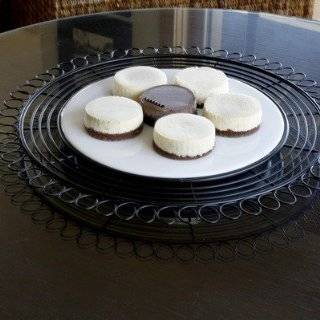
(184,135)
(202,81)
(132,82)
(235,112)
(113,115)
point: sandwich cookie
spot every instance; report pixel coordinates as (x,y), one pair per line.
(202,81)
(131,82)
(113,118)
(233,114)
(183,136)
(162,100)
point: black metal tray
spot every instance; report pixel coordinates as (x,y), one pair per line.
(177,210)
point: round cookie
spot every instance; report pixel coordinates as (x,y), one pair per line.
(233,114)
(113,118)
(131,82)
(202,81)
(162,100)
(183,136)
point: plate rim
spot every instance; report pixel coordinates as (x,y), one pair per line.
(211,177)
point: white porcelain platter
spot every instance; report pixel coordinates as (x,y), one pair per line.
(137,156)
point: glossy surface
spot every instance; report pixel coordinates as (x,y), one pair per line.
(43,277)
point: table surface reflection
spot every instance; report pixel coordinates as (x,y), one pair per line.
(44,277)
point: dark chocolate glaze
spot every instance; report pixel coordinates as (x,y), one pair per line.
(115,137)
(175,157)
(166,99)
(230,133)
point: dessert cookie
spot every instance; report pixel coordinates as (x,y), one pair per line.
(113,118)
(202,81)
(131,82)
(183,136)
(233,114)
(162,100)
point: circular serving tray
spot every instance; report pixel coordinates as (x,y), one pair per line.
(202,209)
(137,156)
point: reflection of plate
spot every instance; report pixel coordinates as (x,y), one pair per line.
(137,156)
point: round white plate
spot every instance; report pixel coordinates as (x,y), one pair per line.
(137,156)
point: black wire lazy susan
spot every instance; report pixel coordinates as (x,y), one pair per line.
(206,209)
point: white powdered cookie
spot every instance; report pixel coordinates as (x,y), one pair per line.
(183,136)
(202,81)
(132,82)
(233,114)
(113,118)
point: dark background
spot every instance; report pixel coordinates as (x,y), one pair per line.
(18,13)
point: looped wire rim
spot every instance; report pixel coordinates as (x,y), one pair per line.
(185,218)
